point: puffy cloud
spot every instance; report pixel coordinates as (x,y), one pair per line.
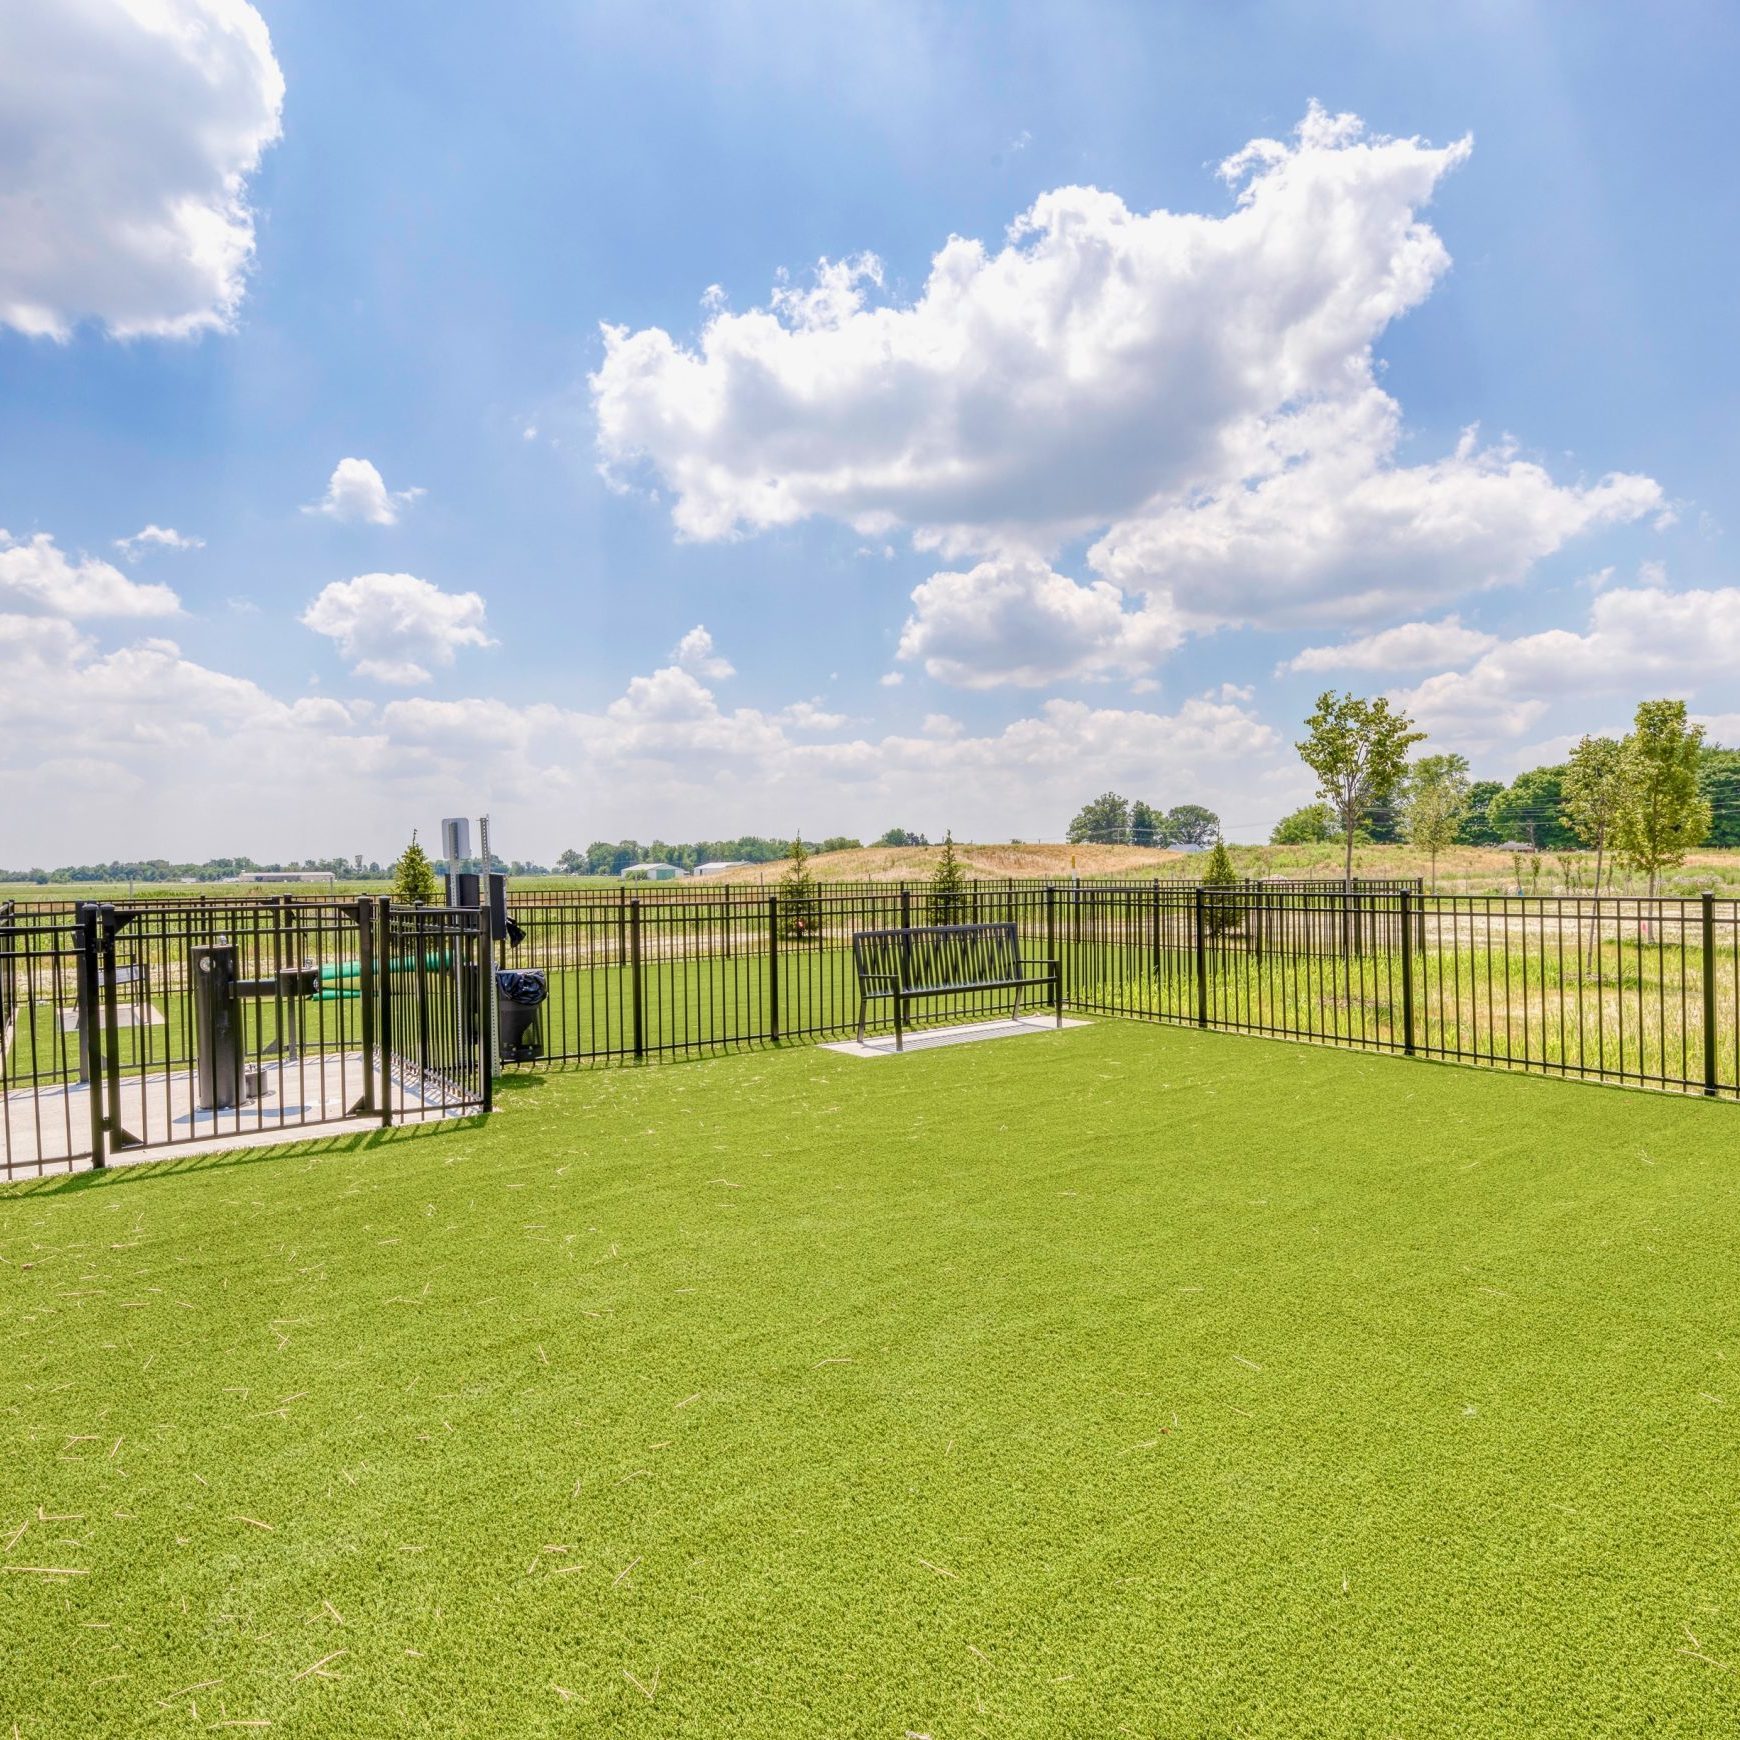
(131,129)
(696,652)
(1097,359)
(36,578)
(1411,646)
(1638,638)
(1326,525)
(394,627)
(809,716)
(356,492)
(156,537)
(142,749)
(1196,393)
(1017,621)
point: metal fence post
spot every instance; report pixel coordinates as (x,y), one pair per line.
(85,936)
(773,966)
(486,1047)
(1051,953)
(1407,900)
(1201,962)
(637,989)
(1709,926)
(383,965)
(365,984)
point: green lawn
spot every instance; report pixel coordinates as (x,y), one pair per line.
(1128,1380)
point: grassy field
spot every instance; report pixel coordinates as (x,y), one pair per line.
(1124,1380)
(1463,870)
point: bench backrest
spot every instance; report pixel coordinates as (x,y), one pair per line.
(939,954)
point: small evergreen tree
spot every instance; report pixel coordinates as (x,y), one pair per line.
(1219,912)
(797,894)
(948,885)
(414,876)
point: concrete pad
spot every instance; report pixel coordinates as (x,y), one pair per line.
(126,1015)
(48,1129)
(930,1038)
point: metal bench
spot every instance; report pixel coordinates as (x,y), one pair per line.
(945,960)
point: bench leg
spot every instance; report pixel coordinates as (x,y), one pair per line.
(1057,992)
(863,1006)
(899,1022)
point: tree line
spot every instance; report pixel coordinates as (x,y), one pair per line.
(611,858)
(1111,820)
(1643,800)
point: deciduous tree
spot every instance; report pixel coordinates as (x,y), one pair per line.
(1359,751)
(1434,801)
(1592,794)
(1664,814)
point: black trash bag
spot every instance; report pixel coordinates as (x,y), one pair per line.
(519,997)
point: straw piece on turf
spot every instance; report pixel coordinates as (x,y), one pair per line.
(169,1698)
(941,1570)
(686,1401)
(17,1536)
(48,1570)
(318,1668)
(338,1617)
(646,1691)
(623,1572)
(254,1522)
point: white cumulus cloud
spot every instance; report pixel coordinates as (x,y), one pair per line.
(1098,358)
(1017,621)
(396,627)
(356,492)
(128,131)
(1323,524)
(1410,646)
(39,579)
(696,652)
(156,537)
(1639,640)
(1197,393)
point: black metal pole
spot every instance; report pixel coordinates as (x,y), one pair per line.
(1201,964)
(383,962)
(636,988)
(773,966)
(486,1000)
(365,985)
(86,937)
(1407,973)
(1709,926)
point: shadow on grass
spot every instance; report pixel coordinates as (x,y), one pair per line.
(179,1166)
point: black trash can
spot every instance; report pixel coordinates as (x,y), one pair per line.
(519,1002)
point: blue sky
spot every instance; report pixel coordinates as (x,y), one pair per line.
(1132,466)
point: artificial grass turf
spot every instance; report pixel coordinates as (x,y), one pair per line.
(1120,1379)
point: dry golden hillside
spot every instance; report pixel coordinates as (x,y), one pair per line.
(896,863)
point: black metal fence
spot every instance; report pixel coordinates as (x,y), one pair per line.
(147,1026)
(360,1009)
(1623,989)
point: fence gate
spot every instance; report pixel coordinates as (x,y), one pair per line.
(48,1000)
(436,1011)
(144,1027)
